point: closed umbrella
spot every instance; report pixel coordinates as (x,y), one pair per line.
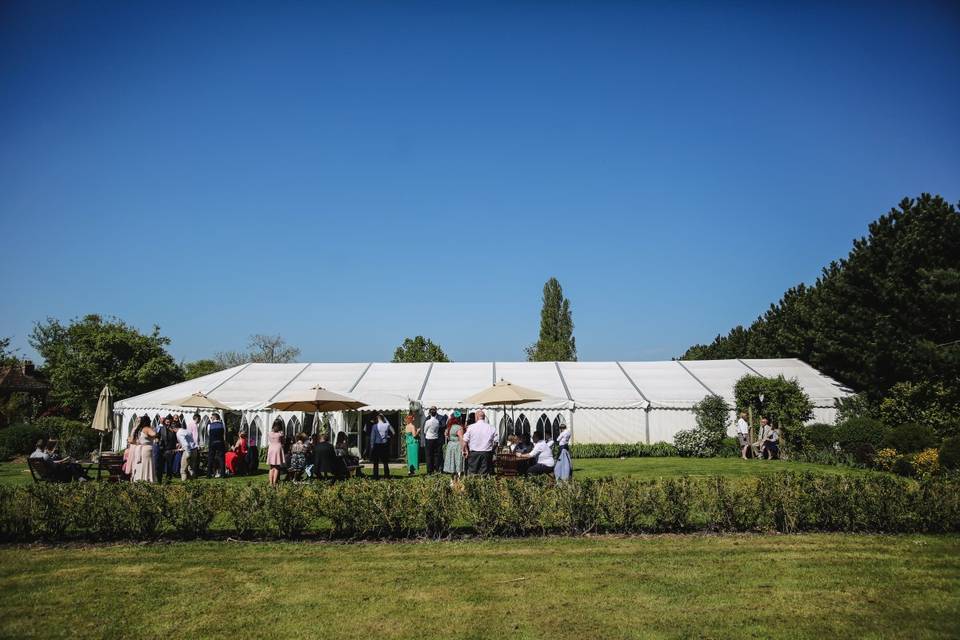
(103,419)
(504,394)
(198,401)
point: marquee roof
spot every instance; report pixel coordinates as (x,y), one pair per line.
(393,386)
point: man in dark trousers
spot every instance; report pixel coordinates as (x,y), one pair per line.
(168,449)
(433,431)
(216,446)
(326,462)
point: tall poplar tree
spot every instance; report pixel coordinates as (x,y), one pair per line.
(556,340)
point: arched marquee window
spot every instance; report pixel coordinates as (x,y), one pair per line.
(543,424)
(253,432)
(556,428)
(522,425)
(204,423)
(506,427)
(293,427)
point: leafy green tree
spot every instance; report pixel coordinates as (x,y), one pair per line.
(784,401)
(929,403)
(713,416)
(556,340)
(419,349)
(199,368)
(889,312)
(82,356)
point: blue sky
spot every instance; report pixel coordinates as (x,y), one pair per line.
(350,174)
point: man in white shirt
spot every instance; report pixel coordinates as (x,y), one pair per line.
(478,444)
(542,454)
(189,453)
(434,445)
(563,440)
(743,435)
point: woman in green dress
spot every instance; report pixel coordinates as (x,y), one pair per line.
(453,459)
(413,446)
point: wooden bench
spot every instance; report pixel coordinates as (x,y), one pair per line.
(41,470)
(112,463)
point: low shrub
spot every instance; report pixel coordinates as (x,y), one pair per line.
(855,432)
(902,466)
(910,438)
(18,439)
(950,453)
(487,506)
(695,443)
(885,459)
(811,437)
(927,462)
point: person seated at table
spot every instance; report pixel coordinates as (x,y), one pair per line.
(524,446)
(298,457)
(326,462)
(541,455)
(63,469)
(770,448)
(242,448)
(512,442)
(343,451)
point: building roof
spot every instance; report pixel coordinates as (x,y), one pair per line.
(393,386)
(13,379)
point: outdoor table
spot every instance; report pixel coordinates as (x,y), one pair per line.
(509,465)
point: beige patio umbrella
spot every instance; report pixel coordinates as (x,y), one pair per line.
(504,394)
(315,399)
(198,400)
(103,419)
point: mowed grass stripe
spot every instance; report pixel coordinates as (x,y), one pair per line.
(804,586)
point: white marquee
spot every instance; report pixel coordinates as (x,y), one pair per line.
(601,401)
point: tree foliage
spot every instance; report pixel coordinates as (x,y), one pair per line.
(932,404)
(199,368)
(82,356)
(261,348)
(887,313)
(784,402)
(556,341)
(419,349)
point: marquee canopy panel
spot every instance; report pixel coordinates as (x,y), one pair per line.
(393,386)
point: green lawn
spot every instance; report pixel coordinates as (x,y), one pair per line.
(804,586)
(17,472)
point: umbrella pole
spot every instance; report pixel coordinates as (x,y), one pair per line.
(99,453)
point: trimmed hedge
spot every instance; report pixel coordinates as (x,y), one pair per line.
(635,450)
(480,506)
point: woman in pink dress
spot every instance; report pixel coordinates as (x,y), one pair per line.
(275,457)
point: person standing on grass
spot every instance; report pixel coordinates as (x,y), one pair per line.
(380,436)
(141,442)
(478,444)
(216,447)
(563,469)
(453,455)
(188,453)
(743,435)
(194,428)
(542,456)
(168,449)
(275,455)
(431,434)
(412,441)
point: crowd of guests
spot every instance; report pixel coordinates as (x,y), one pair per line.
(173,449)
(455,444)
(766,447)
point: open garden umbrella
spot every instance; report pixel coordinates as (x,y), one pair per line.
(103,418)
(315,399)
(198,401)
(504,394)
